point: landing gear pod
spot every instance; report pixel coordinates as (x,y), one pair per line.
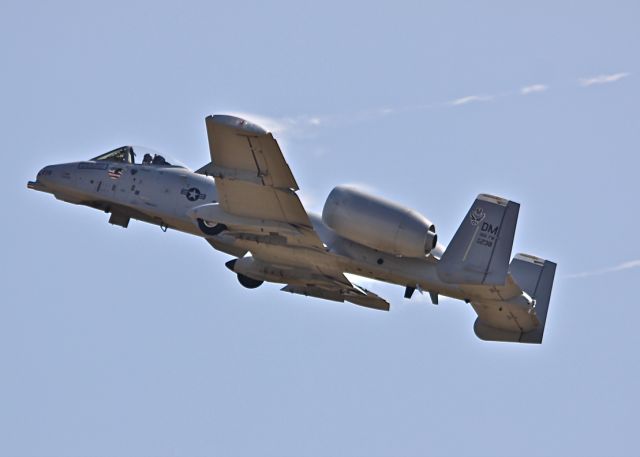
(211,229)
(378,223)
(248,282)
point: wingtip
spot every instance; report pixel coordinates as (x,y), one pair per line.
(236,123)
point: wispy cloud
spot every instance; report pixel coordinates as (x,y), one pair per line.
(471,99)
(289,126)
(533,88)
(602,79)
(621,267)
(307,125)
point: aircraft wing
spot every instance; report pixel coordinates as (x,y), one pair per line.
(340,289)
(253,178)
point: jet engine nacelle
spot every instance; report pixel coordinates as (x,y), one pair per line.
(378,223)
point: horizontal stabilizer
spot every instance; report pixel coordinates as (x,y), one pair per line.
(480,250)
(535,278)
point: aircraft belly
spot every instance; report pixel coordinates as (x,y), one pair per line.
(364,261)
(293,256)
(348,257)
(393,270)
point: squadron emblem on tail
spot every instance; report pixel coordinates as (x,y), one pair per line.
(477,216)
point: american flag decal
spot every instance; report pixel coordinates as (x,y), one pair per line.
(114,173)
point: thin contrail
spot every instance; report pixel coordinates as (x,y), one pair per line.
(623,266)
(299,125)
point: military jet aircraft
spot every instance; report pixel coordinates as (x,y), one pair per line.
(244,203)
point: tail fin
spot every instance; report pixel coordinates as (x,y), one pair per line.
(480,251)
(535,277)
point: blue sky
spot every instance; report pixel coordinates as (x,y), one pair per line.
(136,342)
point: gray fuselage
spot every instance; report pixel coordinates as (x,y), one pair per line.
(164,194)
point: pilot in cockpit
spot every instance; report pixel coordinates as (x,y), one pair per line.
(159,160)
(125,154)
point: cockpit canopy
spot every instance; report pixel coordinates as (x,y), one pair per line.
(127,154)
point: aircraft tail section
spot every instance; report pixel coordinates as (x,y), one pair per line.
(480,251)
(535,277)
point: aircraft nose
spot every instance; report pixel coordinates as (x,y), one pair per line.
(42,178)
(44,175)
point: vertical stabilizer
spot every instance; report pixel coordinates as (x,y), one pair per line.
(480,251)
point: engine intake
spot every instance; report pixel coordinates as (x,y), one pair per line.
(378,223)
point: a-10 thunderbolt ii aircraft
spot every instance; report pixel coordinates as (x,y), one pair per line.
(244,203)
